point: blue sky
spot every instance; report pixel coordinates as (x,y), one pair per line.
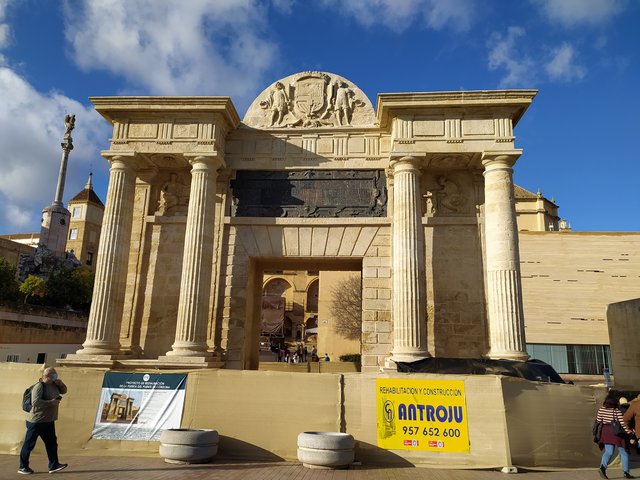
(578,135)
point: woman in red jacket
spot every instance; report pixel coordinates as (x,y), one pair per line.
(607,414)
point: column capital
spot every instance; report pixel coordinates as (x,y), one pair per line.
(204,161)
(124,159)
(500,159)
(405,162)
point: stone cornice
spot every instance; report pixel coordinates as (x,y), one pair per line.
(389,104)
(114,108)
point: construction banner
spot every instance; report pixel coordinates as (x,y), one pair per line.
(421,415)
(138,406)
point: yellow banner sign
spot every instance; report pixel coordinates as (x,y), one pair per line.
(421,415)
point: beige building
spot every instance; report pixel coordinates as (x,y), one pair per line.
(203,211)
(84,225)
(200,205)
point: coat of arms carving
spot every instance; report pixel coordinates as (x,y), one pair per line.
(310,99)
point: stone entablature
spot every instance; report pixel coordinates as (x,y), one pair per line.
(179,274)
(161,130)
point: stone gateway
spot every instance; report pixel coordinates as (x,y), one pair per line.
(417,194)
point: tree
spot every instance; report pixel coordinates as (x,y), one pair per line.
(8,284)
(346,307)
(70,287)
(33,286)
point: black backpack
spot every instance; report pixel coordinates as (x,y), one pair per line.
(26,398)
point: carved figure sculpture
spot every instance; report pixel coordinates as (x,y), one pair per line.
(279,104)
(69,123)
(450,197)
(173,194)
(342,104)
(445,197)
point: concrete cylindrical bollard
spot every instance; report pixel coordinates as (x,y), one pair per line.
(326,449)
(179,445)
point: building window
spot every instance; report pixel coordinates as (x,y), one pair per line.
(89,258)
(42,358)
(13,358)
(77,212)
(573,359)
(73,234)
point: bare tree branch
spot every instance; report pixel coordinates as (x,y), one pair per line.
(346,308)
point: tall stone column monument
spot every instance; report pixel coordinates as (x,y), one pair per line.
(55,218)
(105,318)
(190,344)
(409,325)
(504,289)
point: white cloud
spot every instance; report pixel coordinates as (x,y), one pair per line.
(581,12)
(524,69)
(562,66)
(504,53)
(32,125)
(399,15)
(173,47)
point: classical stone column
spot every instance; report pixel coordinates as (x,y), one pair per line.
(103,330)
(409,325)
(195,285)
(504,290)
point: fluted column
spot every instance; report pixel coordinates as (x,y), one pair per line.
(504,290)
(195,285)
(105,317)
(409,325)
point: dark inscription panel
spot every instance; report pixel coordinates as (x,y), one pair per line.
(310,193)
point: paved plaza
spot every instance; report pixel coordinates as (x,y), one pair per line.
(154,468)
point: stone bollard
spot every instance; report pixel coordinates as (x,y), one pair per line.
(182,445)
(328,450)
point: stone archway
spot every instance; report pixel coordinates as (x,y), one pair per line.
(328,247)
(312,173)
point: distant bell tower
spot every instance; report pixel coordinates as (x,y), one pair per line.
(85,224)
(55,218)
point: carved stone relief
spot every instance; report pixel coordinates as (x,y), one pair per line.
(309,193)
(174,195)
(446,194)
(310,100)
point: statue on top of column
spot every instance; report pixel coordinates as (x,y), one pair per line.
(69,123)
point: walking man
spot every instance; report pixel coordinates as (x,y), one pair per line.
(45,398)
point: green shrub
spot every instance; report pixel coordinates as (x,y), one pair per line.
(350,357)
(8,285)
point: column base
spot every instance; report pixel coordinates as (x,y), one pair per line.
(86,360)
(176,361)
(507,355)
(407,357)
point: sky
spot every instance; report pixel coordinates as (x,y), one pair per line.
(578,136)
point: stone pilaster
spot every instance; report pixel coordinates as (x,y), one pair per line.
(195,284)
(409,325)
(504,290)
(105,318)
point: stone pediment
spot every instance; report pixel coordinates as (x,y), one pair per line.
(310,100)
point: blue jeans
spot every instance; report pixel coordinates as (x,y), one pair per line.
(46,431)
(608,452)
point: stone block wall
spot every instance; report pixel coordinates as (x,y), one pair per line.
(569,278)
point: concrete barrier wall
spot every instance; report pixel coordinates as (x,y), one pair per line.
(259,415)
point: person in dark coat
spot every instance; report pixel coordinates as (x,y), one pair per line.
(607,414)
(41,421)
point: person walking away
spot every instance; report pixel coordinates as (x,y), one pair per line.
(607,414)
(632,418)
(45,399)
